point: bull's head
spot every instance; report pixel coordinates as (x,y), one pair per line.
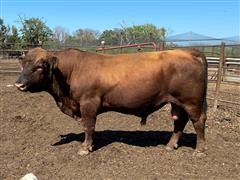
(37,69)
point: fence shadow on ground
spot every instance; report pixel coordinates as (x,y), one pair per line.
(134,138)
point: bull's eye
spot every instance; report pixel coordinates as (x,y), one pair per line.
(38,68)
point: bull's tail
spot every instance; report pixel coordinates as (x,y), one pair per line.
(205,72)
(199,54)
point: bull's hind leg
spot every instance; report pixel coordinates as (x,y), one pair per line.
(199,127)
(198,119)
(88,111)
(180,118)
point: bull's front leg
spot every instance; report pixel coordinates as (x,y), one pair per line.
(89,112)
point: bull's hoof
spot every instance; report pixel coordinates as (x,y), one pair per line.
(171,147)
(83,152)
(168,148)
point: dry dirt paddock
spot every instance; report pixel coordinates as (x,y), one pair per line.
(36,137)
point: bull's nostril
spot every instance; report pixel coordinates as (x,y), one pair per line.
(19,85)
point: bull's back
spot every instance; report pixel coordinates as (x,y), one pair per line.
(147,67)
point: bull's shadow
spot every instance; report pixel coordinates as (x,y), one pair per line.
(135,138)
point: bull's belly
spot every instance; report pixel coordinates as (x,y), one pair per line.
(133,93)
(140,111)
(138,102)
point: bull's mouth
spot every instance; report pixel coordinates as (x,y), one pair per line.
(21,86)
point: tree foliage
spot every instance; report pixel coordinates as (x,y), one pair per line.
(134,34)
(3,33)
(112,37)
(13,40)
(35,31)
(144,33)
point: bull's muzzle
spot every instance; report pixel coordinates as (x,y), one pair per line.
(21,86)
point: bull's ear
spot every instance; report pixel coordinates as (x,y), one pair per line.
(52,62)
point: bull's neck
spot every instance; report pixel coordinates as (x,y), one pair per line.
(59,87)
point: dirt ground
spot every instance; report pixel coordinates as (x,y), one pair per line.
(36,137)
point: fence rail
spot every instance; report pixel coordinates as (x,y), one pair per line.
(139,46)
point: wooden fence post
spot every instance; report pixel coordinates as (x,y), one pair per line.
(219,77)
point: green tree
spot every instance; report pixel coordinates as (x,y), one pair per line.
(112,37)
(144,33)
(35,31)
(13,40)
(72,41)
(162,33)
(3,33)
(134,34)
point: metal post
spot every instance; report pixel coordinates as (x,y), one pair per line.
(120,51)
(103,46)
(121,38)
(121,42)
(219,77)
(162,46)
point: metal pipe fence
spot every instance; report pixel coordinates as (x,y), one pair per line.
(222,69)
